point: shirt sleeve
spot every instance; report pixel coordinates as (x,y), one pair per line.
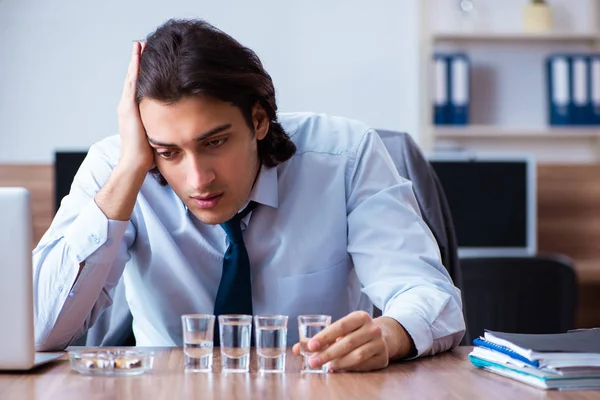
(396,256)
(80,232)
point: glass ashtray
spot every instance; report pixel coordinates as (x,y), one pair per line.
(111,362)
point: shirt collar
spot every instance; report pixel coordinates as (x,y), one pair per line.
(264,192)
(265,189)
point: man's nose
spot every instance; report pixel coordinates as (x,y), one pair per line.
(200,174)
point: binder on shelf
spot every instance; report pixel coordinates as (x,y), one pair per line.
(580,112)
(594,92)
(459,89)
(441,90)
(559,95)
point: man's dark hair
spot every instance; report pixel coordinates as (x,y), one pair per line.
(186,58)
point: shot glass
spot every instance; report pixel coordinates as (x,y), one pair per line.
(198,331)
(309,326)
(271,342)
(235,331)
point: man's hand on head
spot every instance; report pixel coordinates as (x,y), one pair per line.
(136,152)
(358,342)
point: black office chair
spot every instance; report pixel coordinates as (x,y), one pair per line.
(520,295)
(66,164)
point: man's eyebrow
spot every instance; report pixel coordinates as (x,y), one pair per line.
(200,138)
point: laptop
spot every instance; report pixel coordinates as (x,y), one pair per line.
(17,347)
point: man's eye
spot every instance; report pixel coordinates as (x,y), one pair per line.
(216,142)
(166,154)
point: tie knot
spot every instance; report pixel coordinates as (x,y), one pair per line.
(233,227)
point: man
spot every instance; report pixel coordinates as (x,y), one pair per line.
(328,225)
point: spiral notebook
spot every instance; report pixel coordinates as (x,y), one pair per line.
(481,342)
(580,348)
(559,361)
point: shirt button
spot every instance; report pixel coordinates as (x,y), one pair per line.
(71,293)
(95,239)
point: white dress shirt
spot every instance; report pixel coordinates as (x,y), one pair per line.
(336,230)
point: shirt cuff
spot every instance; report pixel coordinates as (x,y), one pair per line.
(416,326)
(91,230)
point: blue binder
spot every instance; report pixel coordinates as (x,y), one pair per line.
(580,79)
(460,67)
(559,95)
(441,90)
(594,88)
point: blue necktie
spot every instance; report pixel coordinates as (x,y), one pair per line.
(235,289)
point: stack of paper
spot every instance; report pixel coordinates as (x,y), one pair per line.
(559,361)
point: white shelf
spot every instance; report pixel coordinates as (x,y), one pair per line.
(498,132)
(516,36)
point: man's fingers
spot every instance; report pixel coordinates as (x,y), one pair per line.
(341,327)
(345,346)
(365,358)
(296,349)
(132,72)
(134,61)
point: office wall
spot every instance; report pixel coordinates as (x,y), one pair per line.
(62,63)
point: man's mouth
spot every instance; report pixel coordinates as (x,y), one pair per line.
(207,201)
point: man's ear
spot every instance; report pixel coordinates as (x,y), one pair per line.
(260,121)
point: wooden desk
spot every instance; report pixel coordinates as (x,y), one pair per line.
(446,376)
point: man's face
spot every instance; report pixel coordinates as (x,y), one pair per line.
(206,152)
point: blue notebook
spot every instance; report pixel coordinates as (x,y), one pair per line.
(504,350)
(540,378)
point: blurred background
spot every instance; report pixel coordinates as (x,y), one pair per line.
(502,96)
